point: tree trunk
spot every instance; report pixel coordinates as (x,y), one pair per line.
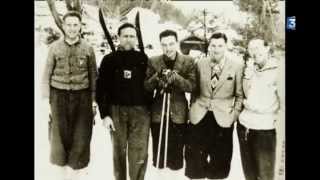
(55,14)
(271,22)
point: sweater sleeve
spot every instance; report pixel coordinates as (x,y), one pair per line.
(151,80)
(48,70)
(187,83)
(239,94)
(281,90)
(92,73)
(102,90)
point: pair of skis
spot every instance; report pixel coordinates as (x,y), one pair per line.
(108,36)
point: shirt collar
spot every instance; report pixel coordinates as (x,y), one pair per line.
(120,48)
(166,58)
(270,64)
(221,63)
(75,43)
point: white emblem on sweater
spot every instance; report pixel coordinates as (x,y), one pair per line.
(127,74)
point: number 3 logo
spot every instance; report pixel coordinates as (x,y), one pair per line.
(291,23)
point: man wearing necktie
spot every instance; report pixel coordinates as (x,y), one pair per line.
(216,69)
(215,106)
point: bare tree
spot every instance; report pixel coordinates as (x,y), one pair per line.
(265,15)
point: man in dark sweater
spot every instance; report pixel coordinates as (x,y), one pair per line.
(122,102)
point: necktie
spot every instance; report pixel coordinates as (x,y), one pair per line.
(215,73)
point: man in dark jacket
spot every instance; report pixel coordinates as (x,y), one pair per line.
(175,73)
(122,102)
(70,82)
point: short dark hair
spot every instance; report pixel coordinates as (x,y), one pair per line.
(72,14)
(126,25)
(167,33)
(219,35)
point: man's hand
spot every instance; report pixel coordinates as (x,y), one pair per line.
(166,77)
(162,84)
(171,77)
(108,123)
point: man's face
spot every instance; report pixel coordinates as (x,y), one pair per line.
(128,37)
(258,51)
(72,26)
(217,48)
(169,46)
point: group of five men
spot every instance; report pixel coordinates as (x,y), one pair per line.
(129,88)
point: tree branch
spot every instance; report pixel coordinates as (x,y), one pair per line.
(55,14)
(73,5)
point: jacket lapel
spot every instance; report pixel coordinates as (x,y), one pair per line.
(160,65)
(179,63)
(226,69)
(207,72)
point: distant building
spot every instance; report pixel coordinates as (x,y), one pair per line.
(192,43)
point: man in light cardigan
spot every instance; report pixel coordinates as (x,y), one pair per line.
(257,121)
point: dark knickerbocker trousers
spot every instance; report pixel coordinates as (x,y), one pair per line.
(257,149)
(209,149)
(176,141)
(71,127)
(132,124)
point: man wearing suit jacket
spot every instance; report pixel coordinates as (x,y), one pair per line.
(216,105)
(179,79)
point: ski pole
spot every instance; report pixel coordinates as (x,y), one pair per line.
(161,127)
(167,130)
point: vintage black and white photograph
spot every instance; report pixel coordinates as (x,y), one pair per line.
(159,90)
